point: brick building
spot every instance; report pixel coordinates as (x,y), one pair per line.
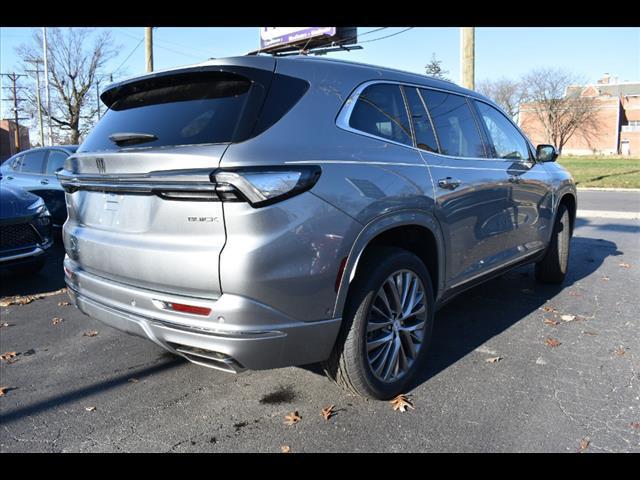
(8,139)
(618,118)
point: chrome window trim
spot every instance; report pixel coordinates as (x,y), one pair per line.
(344,114)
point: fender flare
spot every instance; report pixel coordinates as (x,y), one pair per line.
(374,228)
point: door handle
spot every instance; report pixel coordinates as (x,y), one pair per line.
(44,182)
(9,178)
(515,179)
(449,183)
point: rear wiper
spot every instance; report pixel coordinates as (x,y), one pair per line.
(131,138)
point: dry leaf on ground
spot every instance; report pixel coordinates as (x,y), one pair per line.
(552,342)
(90,333)
(8,356)
(493,359)
(327,412)
(133,380)
(285,449)
(548,309)
(401,402)
(606,279)
(64,304)
(89,409)
(57,320)
(550,321)
(292,418)
(3,390)
(620,351)
(24,299)
(584,443)
(568,318)
(624,265)
(635,425)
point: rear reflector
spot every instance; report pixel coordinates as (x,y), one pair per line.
(179,307)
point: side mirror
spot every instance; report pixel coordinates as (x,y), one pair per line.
(546,153)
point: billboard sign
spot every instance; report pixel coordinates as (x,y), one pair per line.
(273,37)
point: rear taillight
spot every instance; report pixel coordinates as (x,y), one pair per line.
(261,186)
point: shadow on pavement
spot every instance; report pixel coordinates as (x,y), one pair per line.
(483,312)
(80,393)
(612,227)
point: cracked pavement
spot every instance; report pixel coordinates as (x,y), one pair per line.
(537,398)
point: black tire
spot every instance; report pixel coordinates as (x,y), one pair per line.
(554,265)
(348,364)
(28,268)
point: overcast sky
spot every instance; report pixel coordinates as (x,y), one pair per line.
(508,52)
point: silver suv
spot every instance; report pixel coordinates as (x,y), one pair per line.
(260,212)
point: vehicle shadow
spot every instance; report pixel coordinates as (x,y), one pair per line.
(50,278)
(481,313)
(485,311)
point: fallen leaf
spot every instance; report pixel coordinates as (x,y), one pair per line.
(57,320)
(624,265)
(89,409)
(568,318)
(3,390)
(133,380)
(620,351)
(550,321)
(64,304)
(327,412)
(606,279)
(90,333)
(401,402)
(285,449)
(548,309)
(584,443)
(292,418)
(552,342)
(8,356)
(493,359)
(24,299)
(635,425)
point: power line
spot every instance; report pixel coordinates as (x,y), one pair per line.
(129,56)
(387,36)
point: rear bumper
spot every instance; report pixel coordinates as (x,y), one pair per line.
(238,334)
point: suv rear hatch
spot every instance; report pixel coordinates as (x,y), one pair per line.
(142,207)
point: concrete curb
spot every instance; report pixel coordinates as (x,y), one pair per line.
(608,214)
(605,189)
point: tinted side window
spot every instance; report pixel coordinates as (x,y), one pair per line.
(454,123)
(507,140)
(32,162)
(425,138)
(380,111)
(55,161)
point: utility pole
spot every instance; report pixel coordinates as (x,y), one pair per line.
(13,77)
(467,57)
(148,41)
(46,81)
(37,72)
(98,96)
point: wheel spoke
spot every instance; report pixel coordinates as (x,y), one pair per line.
(382,295)
(392,360)
(412,328)
(383,361)
(379,341)
(413,314)
(396,296)
(374,326)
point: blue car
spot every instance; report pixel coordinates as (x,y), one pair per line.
(25,230)
(35,171)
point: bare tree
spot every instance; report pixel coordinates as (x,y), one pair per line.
(434,69)
(76,57)
(561,111)
(508,94)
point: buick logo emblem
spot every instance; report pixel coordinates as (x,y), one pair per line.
(100,165)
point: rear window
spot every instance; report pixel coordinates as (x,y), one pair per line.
(186,109)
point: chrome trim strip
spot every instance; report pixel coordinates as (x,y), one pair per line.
(31,253)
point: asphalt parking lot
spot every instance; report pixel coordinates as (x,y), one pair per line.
(111,392)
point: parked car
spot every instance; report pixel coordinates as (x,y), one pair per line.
(25,230)
(261,212)
(35,171)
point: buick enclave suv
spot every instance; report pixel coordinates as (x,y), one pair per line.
(260,212)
